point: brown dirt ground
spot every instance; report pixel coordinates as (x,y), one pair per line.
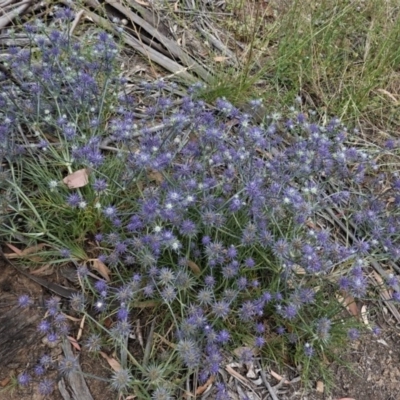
(23,345)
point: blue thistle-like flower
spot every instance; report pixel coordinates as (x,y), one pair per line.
(39,370)
(323,328)
(353,334)
(308,350)
(221,309)
(259,341)
(162,393)
(93,343)
(110,211)
(24,301)
(121,380)
(169,293)
(53,305)
(78,302)
(68,365)
(46,360)
(24,379)
(288,311)
(166,276)
(73,200)
(46,387)
(189,353)
(247,311)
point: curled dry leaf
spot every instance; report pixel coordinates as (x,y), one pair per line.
(101,268)
(194,267)
(155,176)
(74,343)
(350,304)
(364,316)
(18,253)
(279,377)
(201,389)
(114,364)
(77,179)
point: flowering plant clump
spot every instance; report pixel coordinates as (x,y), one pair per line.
(215,226)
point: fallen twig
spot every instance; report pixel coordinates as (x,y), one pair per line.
(271,390)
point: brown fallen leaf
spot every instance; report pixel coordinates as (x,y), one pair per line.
(194,267)
(77,179)
(279,377)
(114,364)
(349,302)
(101,268)
(74,343)
(201,389)
(29,251)
(23,253)
(145,304)
(155,176)
(5,381)
(45,270)
(220,58)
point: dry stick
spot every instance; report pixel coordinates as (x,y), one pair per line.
(149,17)
(9,16)
(76,21)
(54,287)
(217,44)
(172,47)
(73,385)
(266,383)
(147,51)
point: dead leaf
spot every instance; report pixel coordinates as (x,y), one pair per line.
(81,325)
(194,267)
(220,58)
(201,389)
(364,316)
(155,176)
(77,179)
(320,387)
(101,268)
(22,253)
(5,381)
(26,252)
(72,318)
(145,304)
(45,270)
(74,343)
(238,376)
(114,364)
(382,341)
(279,377)
(16,250)
(350,304)
(108,322)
